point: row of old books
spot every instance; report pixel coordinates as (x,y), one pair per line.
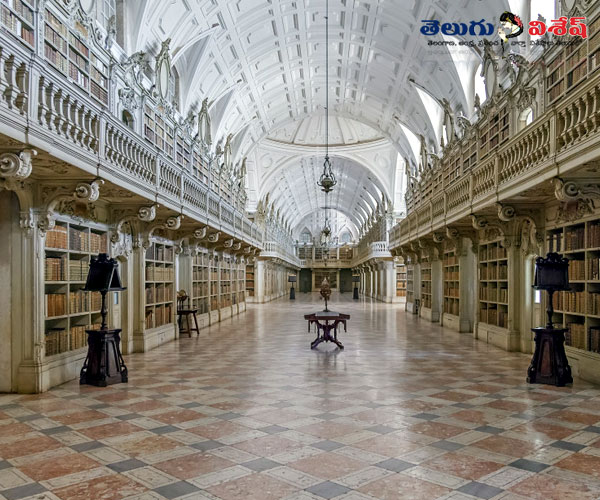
(451,307)
(574,238)
(163,315)
(79,302)
(200,274)
(492,252)
(451,290)
(55,304)
(451,275)
(576,270)
(55,268)
(594,235)
(594,268)
(59,340)
(78,240)
(593,304)
(200,289)
(57,238)
(450,260)
(78,270)
(494,272)
(575,335)
(156,273)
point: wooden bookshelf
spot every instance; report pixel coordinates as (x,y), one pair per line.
(159,285)
(69,310)
(225,283)
(494,131)
(578,310)
(451,270)
(572,65)
(410,290)
(493,284)
(200,167)
(400,280)
(241,282)
(250,280)
(157,131)
(66,47)
(426,283)
(200,283)
(17,17)
(214,283)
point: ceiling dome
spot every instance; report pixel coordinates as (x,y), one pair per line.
(310,131)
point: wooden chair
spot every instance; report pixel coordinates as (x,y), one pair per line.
(184,312)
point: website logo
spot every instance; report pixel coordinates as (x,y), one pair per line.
(511,26)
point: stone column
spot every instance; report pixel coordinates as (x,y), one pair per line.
(389,270)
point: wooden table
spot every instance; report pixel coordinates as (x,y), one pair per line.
(325,321)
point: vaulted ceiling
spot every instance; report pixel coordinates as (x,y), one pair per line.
(261,63)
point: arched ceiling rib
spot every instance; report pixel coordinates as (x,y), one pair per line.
(277,51)
(295,191)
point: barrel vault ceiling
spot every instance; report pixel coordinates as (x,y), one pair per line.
(261,64)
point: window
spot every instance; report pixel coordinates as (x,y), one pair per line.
(346,237)
(525,118)
(127,119)
(105,9)
(305,237)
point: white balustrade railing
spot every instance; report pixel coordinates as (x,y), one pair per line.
(61,118)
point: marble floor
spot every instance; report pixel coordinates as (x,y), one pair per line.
(247,411)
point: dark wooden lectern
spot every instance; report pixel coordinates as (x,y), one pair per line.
(549,364)
(104,363)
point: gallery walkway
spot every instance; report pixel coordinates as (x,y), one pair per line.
(247,411)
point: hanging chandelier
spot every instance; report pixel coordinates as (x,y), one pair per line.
(327,179)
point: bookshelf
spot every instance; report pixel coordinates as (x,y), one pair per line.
(67,49)
(451,270)
(214,283)
(225,283)
(69,310)
(250,280)
(17,17)
(493,284)
(410,290)
(201,168)
(494,131)
(426,283)
(159,285)
(241,282)
(200,283)
(400,280)
(578,310)
(157,131)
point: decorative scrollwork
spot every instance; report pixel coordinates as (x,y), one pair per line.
(147,214)
(17,166)
(173,223)
(213,238)
(88,192)
(505,212)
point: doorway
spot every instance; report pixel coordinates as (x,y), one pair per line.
(345,280)
(305,284)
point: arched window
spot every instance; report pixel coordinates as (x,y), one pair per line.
(105,9)
(305,237)
(127,119)
(345,238)
(525,118)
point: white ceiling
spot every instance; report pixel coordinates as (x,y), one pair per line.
(264,68)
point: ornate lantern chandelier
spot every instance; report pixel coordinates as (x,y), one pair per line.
(327,179)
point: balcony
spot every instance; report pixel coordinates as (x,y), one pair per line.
(474,173)
(43,109)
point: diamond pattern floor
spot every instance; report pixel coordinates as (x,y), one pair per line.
(247,411)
